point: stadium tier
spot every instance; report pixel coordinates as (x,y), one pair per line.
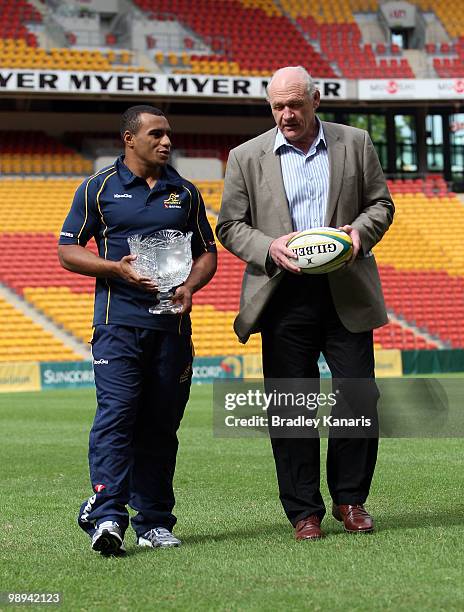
(212,194)
(32,269)
(33,262)
(69,306)
(448,11)
(325,37)
(328,37)
(433,244)
(44,204)
(448,60)
(395,335)
(432,301)
(14,15)
(333,27)
(15,53)
(326,33)
(38,153)
(193,145)
(21,339)
(422,271)
(421,259)
(252,39)
(218,145)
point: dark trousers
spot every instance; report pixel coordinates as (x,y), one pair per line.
(299,323)
(143,381)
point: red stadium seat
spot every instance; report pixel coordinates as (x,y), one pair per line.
(253,38)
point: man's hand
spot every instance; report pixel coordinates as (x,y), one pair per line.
(356,239)
(127,272)
(280,254)
(183,296)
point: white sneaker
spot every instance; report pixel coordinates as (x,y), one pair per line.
(108,539)
(158,537)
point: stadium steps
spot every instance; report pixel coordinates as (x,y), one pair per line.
(283,10)
(420,333)
(42,8)
(371,31)
(313,42)
(435,32)
(418,62)
(254,37)
(29,311)
(144,61)
(44,38)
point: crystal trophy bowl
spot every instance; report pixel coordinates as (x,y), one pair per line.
(166,258)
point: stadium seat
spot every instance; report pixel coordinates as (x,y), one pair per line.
(252,39)
(37,153)
(422,272)
(23,53)
(21,339)
(333,26)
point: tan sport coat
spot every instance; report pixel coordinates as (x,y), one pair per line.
(255,211)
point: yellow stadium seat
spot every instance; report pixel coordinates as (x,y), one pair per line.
(23,340)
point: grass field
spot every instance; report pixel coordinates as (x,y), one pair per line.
(238,552)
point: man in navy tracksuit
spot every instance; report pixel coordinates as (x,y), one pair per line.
(142,362)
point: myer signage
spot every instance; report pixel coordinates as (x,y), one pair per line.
(411,89)
(117,84)
(399,15)
(450,88)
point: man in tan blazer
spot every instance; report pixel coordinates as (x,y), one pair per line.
(308,173)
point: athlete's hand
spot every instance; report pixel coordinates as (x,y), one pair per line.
(127,272)
(183,296)
(281,255)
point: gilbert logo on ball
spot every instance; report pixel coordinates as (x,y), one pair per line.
(321,249)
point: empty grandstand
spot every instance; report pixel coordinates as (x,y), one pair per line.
(59,122)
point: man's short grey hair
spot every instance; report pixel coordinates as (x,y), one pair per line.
(306,77)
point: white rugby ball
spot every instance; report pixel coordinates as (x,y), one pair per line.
(321,250)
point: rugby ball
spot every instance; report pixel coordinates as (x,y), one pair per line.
(321,250)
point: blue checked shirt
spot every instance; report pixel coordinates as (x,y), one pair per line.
(306,180)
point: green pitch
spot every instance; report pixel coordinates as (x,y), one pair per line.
(238,552)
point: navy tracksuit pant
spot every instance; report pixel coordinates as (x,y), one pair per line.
(142,378)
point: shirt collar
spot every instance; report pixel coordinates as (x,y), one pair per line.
(281,141)
(169,175)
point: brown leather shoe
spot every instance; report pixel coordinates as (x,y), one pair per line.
(309,528)
(354,517)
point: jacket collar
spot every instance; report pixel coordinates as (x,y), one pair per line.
(280,140)
(270,162)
